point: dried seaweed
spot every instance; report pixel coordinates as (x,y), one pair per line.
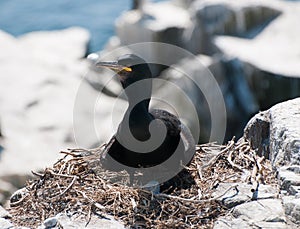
(76,184)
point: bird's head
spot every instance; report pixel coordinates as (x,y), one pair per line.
(130,68)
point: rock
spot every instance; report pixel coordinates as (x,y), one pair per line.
(5,224)
(6,188)
(277,132)
(37,119)
(289,179)
(270,43)
(154,23)
(244,194)
(257,132)
(224,17)
(233,18)
(183,3)
(50,222)
(97,118)
(4,213)
(263,55)
(193,89)
(81,222)
(212,84)
(292,208)
(1,134)
(267,213)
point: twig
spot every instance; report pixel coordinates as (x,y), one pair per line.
(59,174)
(69,186)
(215,158)
(37,174)
(196,201)
(229,159)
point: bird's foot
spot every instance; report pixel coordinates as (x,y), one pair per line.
(152,186)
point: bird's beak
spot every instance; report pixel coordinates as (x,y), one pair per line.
(113,66)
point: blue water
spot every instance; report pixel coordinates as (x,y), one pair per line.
(22,16)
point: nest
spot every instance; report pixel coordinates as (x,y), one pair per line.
(77,184)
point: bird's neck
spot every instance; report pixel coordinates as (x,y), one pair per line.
(139,95)
(139,119)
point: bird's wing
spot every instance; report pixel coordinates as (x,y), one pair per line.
(189,144)
(172,123)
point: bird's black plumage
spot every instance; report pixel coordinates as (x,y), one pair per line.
(121,153)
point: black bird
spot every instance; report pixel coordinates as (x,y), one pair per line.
(145,139)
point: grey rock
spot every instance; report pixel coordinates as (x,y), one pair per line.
(292,208)
(294,190)
(289,180)
(275,133)
(257,132)
(285,133)
(50,222)
(270,81)
(225,17)
(189,80)
(81,222)
(271,48)
(154,23)
(208,94)
(267,213)
(233,18)
(243,193)
(96,119)
(183,3)
(228,223)
(5,224)
(4,213)
(44,112)
(269,210)
(6,188)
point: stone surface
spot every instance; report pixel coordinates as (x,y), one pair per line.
(267,213)
(244,194)
(6,188)
(226,17)
(289,179)
(81,222)
(276,134)
(233,18)
(202,80)
(5,224)
(270,44)
(285,133)
(154,23)
(263,54)
(189,92)
(4,213)
(292,208)
(50,222)
(40,75)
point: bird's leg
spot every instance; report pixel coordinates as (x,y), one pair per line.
(131,177)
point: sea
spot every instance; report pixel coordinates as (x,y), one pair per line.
(18,17)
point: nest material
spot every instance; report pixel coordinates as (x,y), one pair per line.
(77,184)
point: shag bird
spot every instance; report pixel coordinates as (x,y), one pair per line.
(144,139)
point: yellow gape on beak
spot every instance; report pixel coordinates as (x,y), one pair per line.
(114,66)
(127,69)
